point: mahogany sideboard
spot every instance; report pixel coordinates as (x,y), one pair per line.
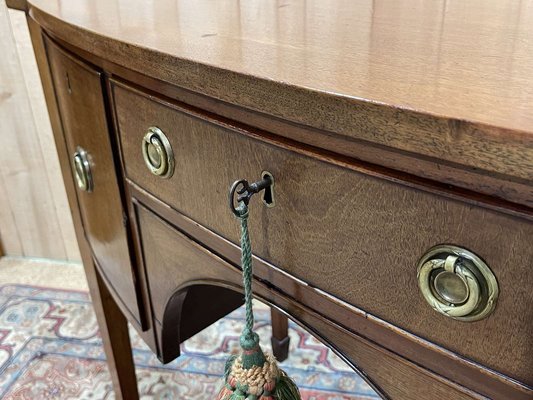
(399,135)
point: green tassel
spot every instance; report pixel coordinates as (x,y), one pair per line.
(237,396)
(224,393)
(228,365)
(252,356)
(226,390)
(239,393)
(286,389)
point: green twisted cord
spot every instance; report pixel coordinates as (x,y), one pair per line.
(249,340)
(252,355)
(246,263)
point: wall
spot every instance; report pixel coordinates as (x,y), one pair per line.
(35,220)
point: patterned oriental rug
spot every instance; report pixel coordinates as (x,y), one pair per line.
(50,348)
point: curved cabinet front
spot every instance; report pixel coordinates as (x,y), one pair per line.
(80,98)
(190,285)
(350,234)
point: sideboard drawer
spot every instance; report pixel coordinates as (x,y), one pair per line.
(79,94)
(178,270)
(365,234)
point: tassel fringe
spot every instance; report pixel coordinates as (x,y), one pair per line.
(286,388)
(258,383)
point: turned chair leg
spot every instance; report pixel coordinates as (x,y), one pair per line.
(280,335)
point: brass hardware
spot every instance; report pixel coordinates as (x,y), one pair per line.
(245,191)
(82,170)
(457,283)
(157,153)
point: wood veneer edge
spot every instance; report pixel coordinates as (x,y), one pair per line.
(493,190)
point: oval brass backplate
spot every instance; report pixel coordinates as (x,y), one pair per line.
(457,283)
(157,153)
(82,170)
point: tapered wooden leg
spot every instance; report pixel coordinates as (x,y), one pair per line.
(115,337)
(280,335)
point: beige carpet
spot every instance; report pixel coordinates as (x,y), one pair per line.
(41,272)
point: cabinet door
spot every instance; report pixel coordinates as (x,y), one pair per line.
(80,98)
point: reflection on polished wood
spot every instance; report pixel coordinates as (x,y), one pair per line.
(468,60)
(367,68)
(390,127)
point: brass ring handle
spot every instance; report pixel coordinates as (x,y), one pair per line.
(157,153)
(457,283)
(82,170)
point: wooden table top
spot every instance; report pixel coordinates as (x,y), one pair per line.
(462,69)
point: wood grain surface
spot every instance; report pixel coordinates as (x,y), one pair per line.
(451,81)
(198,266)
(20,5)
(363,234)
(80,99)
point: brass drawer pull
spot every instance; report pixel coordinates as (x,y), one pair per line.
(157,153)
(457,283)
(82,170)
